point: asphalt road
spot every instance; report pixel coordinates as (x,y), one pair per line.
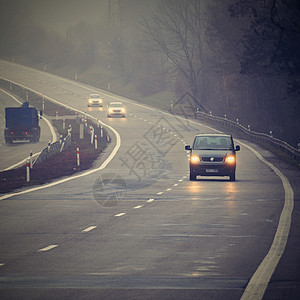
(12,154)
(135,227)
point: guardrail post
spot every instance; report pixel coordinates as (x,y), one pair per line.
(249,127)
(271,133)
(70,130)
(64,124)
(62,145)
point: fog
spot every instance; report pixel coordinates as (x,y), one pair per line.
(236,58)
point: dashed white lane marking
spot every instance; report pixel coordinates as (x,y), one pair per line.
(150,200)
(50,247)
(120,215)
(180,180)
(89,228)
(175,184)
(169,189)
(1,264)
(139,206)
(159,193)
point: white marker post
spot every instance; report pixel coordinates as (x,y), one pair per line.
(78,158)
(27,171)
(92,134)
(101,131)
(96,142)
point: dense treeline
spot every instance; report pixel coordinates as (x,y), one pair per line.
(236,57)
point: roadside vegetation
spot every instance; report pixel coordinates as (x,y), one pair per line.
(237,58)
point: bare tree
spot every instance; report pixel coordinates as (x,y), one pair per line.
(176,31)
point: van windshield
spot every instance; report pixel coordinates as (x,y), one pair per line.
(212,143)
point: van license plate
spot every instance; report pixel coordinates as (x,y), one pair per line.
(212,170)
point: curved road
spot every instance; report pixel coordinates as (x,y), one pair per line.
(136,227)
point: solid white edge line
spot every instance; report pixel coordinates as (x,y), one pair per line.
(260,279)
(104,164)
(10,95)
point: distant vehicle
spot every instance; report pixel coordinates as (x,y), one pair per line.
(22,123)
(212,155)
(116,109)
(95,100)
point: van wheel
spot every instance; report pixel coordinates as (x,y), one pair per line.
(232,176)
(192,175)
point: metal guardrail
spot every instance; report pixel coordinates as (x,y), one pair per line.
(251,135)
(52,149)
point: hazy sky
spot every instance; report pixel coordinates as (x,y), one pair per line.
(60,14)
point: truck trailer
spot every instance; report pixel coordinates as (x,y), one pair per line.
(22,123)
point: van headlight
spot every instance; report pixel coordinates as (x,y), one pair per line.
(230,159)
(195,159)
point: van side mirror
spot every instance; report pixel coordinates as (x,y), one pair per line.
(188,147)
(237,148)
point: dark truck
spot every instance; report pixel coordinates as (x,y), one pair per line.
(22,123)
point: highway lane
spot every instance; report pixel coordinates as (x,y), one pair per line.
(20,150)
(163,235)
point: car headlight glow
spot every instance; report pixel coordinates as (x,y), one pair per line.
(230,159)
(195,159)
